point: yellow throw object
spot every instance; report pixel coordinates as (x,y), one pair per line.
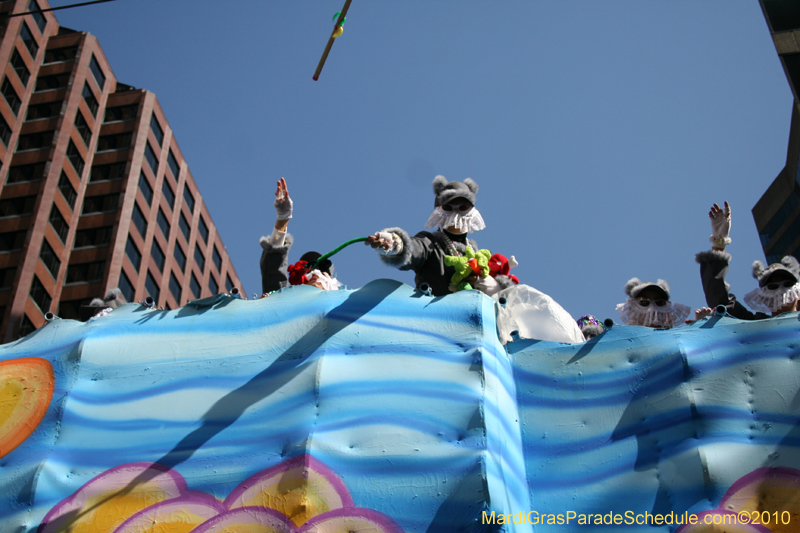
(338,31)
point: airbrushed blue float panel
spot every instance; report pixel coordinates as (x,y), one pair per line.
(382,409)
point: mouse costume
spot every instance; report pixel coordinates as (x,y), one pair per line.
(713,269)
(657,312)
(425,252)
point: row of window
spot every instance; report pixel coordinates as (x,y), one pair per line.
(154,292)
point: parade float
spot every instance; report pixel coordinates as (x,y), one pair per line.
(386,410)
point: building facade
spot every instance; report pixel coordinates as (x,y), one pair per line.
(777,212)
(95,192)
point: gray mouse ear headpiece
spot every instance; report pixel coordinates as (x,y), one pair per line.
(635,286)
(446,191)
(788,264)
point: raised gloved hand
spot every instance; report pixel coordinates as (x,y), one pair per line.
(283,204)
(720,226)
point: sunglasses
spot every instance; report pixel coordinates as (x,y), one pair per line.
(644,302)
(461,207)
(778,285)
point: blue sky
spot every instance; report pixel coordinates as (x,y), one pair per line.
(600,132)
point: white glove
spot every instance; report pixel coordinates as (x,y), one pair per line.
(283,207)
(720,225)
(392,239)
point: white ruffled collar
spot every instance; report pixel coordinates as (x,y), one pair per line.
(467,222)
(767,301)
(667,316)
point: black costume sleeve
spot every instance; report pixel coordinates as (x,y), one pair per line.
(713,269)
(274,264)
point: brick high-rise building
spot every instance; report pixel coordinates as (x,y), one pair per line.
(95,192)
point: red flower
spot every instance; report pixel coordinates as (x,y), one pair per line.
(297,273)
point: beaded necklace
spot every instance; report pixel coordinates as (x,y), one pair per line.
(450,245)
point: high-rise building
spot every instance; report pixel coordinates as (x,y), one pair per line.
(95,192)
(777,212)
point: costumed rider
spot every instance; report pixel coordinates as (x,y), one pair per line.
(101,307)
(648,304)
(276,273)
(437,257)
(778,289)
(590,326)
(455,215)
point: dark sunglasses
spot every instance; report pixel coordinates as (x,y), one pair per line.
(644,302)
(777,285)
(462,207)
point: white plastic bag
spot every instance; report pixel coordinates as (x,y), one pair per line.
(535,316)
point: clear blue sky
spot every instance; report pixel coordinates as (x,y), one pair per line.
(600,132)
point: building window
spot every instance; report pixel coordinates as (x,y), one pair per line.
(38,17)
(145,188)
(75,158)
(12,99)
(40,295)
(158,133)
(57,55)
(126,287)
(20,68)
(83,128)
(175,288)
(228,283)
(188,199)
(50,259)
(97,72)
(173,165)
(105,203)
(35,141)
(46,110)
(213,286)
(5,131)
(28,40)
(121,113)
(90,99)
(217,259)
(133,254)
(163,223)
(114,171)
(26,327)
(12,241)
(67,190)
(86,272)
(199,258)
(59,224)
(152,287)
(194,286)
(783,244)
(7,276)
(25,173)
(180,257)
(185,229)
(119,141)
(138,220)
(158,256)
(152,160)
(51,83)
(17,207)
(92,237)
(169,196)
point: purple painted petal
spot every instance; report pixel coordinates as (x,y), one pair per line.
(193,509)
(351,520)
(267,520)
(112,497)
(300,488)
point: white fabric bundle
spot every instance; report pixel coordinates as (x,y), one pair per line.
(534,315)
